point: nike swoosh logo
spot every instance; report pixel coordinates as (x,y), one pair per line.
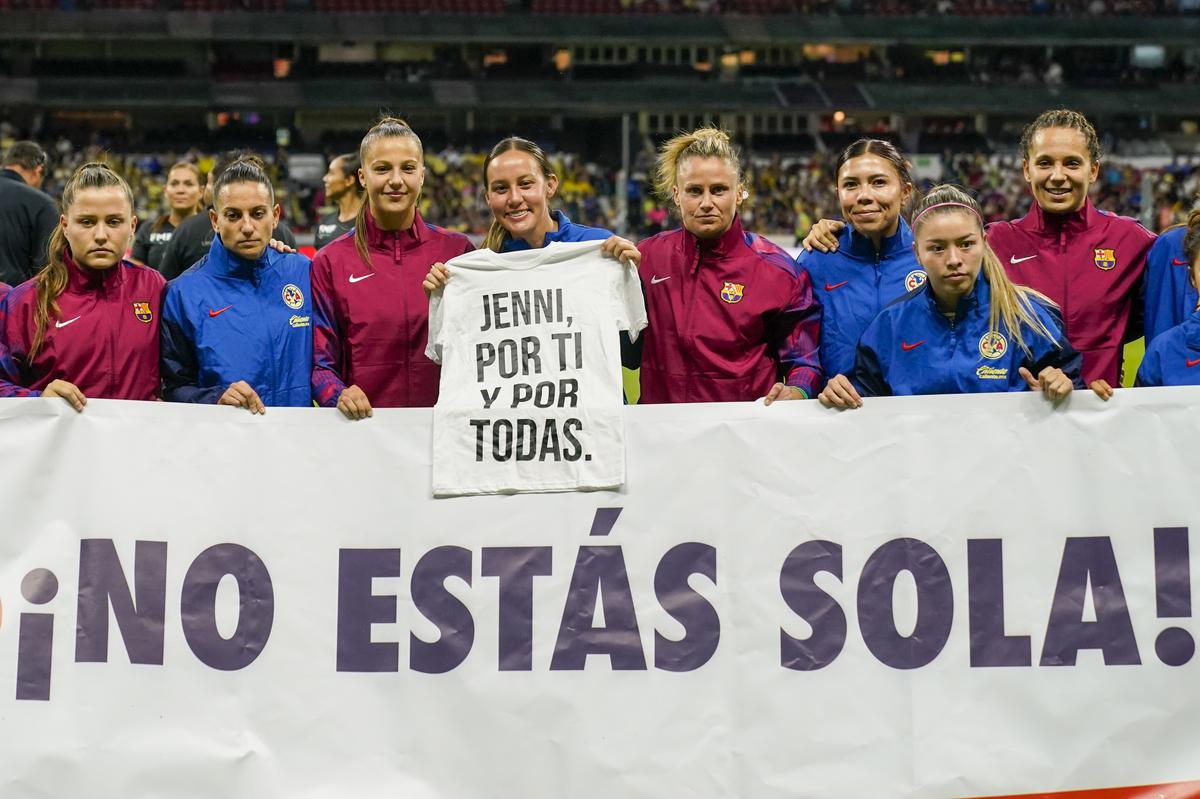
(1192,363)
(654,281)
(69,321)
(904,345)
(832,286)
(355,279)
(1177,262)
(1015,260)
(212,314)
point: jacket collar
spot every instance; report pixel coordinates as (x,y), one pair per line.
(82,279)
(9,174)
(387,239)
(979,297)
(860,247)
(1191,330)
(1054,224)
(564,228)
(226,264)
(718,249)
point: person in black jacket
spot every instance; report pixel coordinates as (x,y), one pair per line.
(194,236)
(27,216)
(344,192)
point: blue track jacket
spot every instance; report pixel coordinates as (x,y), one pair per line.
(1170,297)
(912,348)
(1173,359)
(227,319)
(567,231)
(853,284)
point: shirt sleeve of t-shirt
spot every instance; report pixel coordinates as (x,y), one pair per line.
(631,303)
(141,244)
(437,316)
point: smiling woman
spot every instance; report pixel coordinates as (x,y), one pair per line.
(370,315)
(871,260)
(87,323)
(1088,261)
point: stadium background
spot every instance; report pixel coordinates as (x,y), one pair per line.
(599,83)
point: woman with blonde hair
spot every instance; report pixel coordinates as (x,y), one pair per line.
(731,315)
(87,323)
(370,315)
(968,329)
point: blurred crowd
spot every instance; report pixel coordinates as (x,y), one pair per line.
(786,194)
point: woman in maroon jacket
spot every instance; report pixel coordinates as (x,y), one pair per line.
(87,323)
(731,315)
(371,314)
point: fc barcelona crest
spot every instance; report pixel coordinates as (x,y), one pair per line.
(141,310)
(732,292)
(293,297)
(1105,259)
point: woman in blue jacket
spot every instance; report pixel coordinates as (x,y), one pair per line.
(873,263)
(1173,357)
(237,326)
(967,330)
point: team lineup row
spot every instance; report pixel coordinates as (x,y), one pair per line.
(877,304)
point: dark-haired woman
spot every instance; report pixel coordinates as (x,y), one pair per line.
(967,330)
(1090,262)
(345,193)
(873,263)
(371,316)
(519,186)
(87,324)
(237,326)
(183,192)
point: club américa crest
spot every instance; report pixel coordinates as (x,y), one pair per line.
(993,345)
(914,279)
(293,297)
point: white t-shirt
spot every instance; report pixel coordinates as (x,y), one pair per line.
(530,397)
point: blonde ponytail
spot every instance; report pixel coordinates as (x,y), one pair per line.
(707,142)
(1011,305)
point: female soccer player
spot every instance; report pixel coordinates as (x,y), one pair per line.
(732,317)
(1173,358)
(345,193)
(87,323)
(371,317)
(520,184)
(236,327)
(183,192)
(1089,262)
(519,187)
(873,263)
(967,330)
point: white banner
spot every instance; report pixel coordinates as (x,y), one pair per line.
(930,597)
